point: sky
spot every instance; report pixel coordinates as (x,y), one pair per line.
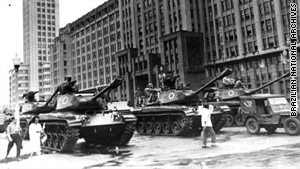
(11,33)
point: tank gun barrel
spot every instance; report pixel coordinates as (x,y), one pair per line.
(268,84)
(249,92)
(117,82)
(226,72)
(53,95)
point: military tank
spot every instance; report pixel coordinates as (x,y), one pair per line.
(171,112)
(229,97)
(5,117)
(24,119)
(69,115)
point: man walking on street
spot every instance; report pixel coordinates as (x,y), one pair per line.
(14,137)
(205,112)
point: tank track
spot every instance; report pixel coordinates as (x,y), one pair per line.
(60,137)
(127,134)
(164,124)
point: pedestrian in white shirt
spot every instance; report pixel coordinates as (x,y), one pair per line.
(206,111)
(35,130)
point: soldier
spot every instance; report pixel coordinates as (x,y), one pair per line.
(137,95)
(68,86)
(239,84)
(151,93)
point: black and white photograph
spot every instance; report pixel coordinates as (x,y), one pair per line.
(154,84)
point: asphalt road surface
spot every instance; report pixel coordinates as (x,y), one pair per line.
(235,149)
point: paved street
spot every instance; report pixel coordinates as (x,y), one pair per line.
(235,149)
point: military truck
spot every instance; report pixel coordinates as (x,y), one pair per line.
(269,111)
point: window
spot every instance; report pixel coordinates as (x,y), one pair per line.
(269,24)
(267,7)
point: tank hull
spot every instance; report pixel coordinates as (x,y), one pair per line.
(107,128)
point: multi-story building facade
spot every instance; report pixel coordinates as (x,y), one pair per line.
(159,34)
(18,86)
(140,39)
(250,36)
(40,26)
(60,58)
(137,40)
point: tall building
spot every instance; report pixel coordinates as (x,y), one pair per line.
(17,87)
(137,40)
(140,40)
(40,26)
(250,36)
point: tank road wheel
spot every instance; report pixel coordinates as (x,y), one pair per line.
(166,128)
(271,128)
(229,120)
(140,127)
(55,140)
(175,128)
(149,127)
(62,139)
(252,126)
(181,121)
(292,126)
(157,127)
(49,140)
(238,120)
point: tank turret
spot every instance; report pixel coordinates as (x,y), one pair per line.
(235,93)
(69,115)
(181,96)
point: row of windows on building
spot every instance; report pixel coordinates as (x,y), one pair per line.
(43,10)
(43,28)
(88,26)
(112,27)
(43,4)
(91,39)
(90,83)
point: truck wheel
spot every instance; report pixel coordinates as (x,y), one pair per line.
(229,120)
(271,128)
(252,126)
(292,126)
(238,120)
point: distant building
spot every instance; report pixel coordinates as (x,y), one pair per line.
(40,26)
(251,37)
(18,87)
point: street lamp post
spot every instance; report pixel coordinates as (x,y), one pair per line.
(17,62)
